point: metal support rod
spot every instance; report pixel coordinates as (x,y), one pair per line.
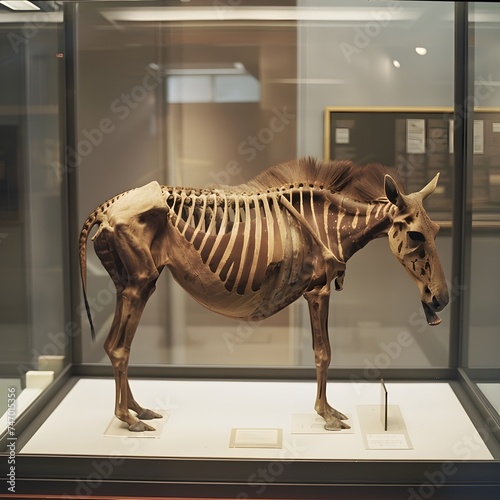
(462,203)
(70,173)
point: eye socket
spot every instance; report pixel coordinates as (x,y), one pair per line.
(415,238)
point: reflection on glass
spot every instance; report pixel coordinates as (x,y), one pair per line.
(32,331)
(484,315)
(196,96)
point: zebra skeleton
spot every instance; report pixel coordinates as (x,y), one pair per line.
(244,253)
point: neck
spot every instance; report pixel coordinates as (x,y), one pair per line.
(358,224)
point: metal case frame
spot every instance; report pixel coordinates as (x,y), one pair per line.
(147,477)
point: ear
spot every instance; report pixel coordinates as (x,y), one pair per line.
(429,189)
(392,191)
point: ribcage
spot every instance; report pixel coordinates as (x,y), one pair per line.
(240,238)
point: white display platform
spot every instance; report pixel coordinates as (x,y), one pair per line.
(202,415)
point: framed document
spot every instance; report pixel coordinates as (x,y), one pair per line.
(418,142)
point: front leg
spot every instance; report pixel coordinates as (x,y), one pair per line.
(318,302)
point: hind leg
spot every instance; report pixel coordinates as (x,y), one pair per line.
(130,245)
(125,251)
(129,307)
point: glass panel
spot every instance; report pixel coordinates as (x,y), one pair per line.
(483,334)
(159,98)
(225,118)
(365,62)
(33,332)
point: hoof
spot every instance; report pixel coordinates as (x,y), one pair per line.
(336,414)
(341,416)
(140,427)
(146,414)
(335,424)
(333,413)
(330,413)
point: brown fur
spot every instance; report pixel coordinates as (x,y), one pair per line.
(362,183)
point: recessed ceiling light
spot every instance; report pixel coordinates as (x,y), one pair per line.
(421,51)
(250,13)
(20,5)
(236,68)
(396,63)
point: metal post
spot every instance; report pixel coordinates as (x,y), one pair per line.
(462,204)
(70,173)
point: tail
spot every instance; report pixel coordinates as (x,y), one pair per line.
(89,223)
(93,219)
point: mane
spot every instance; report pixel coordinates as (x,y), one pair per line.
(359,182)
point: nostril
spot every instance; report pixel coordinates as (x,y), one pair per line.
(439,303)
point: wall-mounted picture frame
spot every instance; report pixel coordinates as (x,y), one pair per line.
(418,142)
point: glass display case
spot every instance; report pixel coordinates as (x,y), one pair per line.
(100,97)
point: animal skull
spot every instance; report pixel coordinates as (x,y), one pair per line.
(412,241)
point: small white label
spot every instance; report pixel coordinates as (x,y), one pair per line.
(256,438)
(451,136)
(415,136)
(386,442)
(496,127)
(478,137)
(253,436)
(341,136)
